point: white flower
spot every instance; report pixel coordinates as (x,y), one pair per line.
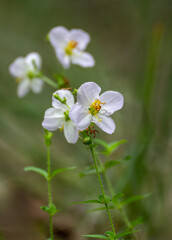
(91,107)
(58,116)
(70,45)
(23,69)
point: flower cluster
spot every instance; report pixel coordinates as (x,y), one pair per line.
(25,69)
(90,107)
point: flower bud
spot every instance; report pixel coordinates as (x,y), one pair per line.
(87,140)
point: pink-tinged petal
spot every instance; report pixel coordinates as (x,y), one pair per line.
(80,116)
(70,132)
(82,38)
(59,37)
(23,88)
(53,119)
(88,93)
(105,123)
(33,59)
(18,68)
(63,58)
(37,85)
(113,102)
(82,59)
(63,94)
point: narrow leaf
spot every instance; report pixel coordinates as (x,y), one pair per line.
(109,147)
(90,170)
(37,170)
(57,171)
(88,201)
(101,142)
(125,233)
(137,221)
(134,198)
(99,209)
(96,236)
(87,172)
(111,163)
(96,209)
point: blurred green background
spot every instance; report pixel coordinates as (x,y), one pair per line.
(131,42)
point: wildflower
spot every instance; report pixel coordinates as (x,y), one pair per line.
(57,117)
(24,69)
(91,107)
(70,45)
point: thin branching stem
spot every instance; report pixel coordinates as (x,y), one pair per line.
(112,192)
(102,189)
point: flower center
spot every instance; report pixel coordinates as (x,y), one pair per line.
(71,45)
(67,118)
(95,107)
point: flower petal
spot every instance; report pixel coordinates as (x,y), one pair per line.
(63,58)
(70,132)
(18,68)
(59,37)
(88,93)
(53,119)
(83,59)
(36,85)
(82,38)
(113,102)
(106,124)
(63,94)
(80,116)
(33,59)
(23,87)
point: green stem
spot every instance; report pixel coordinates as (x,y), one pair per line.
(102,189)
(49,82)
(112,192)
(49,190)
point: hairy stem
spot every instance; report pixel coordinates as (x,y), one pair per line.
(112,192)
(102,189)
(49,190)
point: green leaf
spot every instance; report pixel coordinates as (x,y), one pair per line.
(87,172)
(117,196)
(104,200)
(99,209)
(57,171)
(96,236)
(110,235)
(101,142)
(109,147)
(125,233)
(137,221)
(90,170)
(114,145)
(134,198)
(96,209)
(51,209)
(37,170)
(89,201)
(111,163)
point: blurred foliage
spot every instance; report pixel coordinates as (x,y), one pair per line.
(131,42)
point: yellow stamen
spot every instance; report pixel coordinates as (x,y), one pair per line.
(71,45)
(95,107)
